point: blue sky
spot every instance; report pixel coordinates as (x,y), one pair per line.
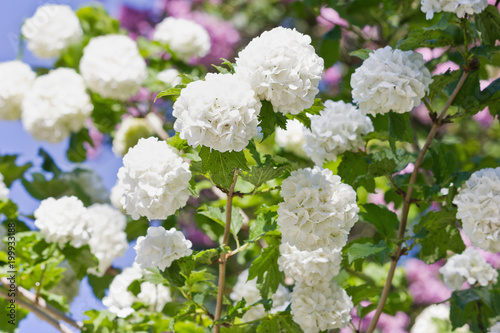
(14,140)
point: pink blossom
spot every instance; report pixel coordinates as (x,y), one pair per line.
(484,117)
(429,53)
(329,18)
(422,114)
(386,323)
(377,198)
(442,68)
(97,140)
(333,75)
(424,282)
(408,169)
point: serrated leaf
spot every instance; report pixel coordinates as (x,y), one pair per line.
(382,167)
(399,127)
(488,23)
(259,175)
(221,166)
(382,218)
(265,222)
(424,38)
(443,162)
(362,292)
(219,215)
(363,250)
(265,268)
(353,169)
(269,119)
(206,257)
(362,54)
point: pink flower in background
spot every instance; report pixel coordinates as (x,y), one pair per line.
(329,18)
(424,283)
(422,114)
(484,117)
(333,75)
(377,198)
(97,139)
(429,53)
(442,68)
(176,8)
(386,323)
(408,169)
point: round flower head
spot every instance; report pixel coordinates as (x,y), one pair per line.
(51,30)
(112,66)
(318,210)
(108,240)
(63,220)
(129,133)
(478,203)
(320,307)
(170,77)
(57,105)
(155,180)
(462,7)
(219,113)
(309,267)
(283,68)
(291,139)
(17,79)
(119,300)
(184,38)
(161,247)
(338,128)
(4,190)
(469,267)
(390,80)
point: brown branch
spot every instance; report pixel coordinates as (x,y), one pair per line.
(408,200)
(223,256)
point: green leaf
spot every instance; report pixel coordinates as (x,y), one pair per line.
(100,284)
(272,168)
(265,268)
(48,163)
(222,165)
(477,307)
(439,82)
(269,119)
(469,97)
(488,23)
(424,38)
(173,274)
(10,170)
(95,21)
(353,169)
(362,54)
(176,142)
(443,162)
(278,324)
(80,259)
(362,292)
(11,318)
(76,151)
(265,222)
(169,92)
(382,218)
(316,107)
(9,209)
(439,236)
(218,215)
(330,46)
(107,113)
(382,167)
(207,257)
(399,128)
(363,250)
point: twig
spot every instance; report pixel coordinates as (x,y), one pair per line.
(407,201)
(223,256)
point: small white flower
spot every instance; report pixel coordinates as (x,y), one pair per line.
(170,77)
(17,79)
(108,239)
(51,30)
(478,203)
(184,38)
(460,8)
(469,267)
(219,113)
(129,133)
(63,220)
(112,66)
(283,68)
(338,128)
(161,247)
(4,190)
(321,307)
(309,267)
(155,180)
(390,80)
(56,105)
(292,139)
(318,210)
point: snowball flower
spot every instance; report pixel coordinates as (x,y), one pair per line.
(338,128)
(4,190)
(469,266)
(478,203)
(185,38)
(108,239)
(219,113)
(170,77)
(51,30)
(119,300)
(320,307)
(129,133)
(283,68)
(291,139)
(17,79)
(309,267)
(112,66)
(57,105)
(155,180)
(390,80)
(161,247)
(462,7)
(318,210)
(63,220)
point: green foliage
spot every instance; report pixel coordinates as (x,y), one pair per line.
(96,22)
(382,218)
(265,268)
(477,307)
(488,23)
(10,170)
(80,259)
(269,119)
(279,324)
(365,247)
(219,215)
(329,49)
(177,142)
(107,113)
(399,128)
(425,38)
(77,152)
(354,169)
(362,54)
(221,166)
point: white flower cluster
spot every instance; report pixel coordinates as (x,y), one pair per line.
(247,290)
(51,30)
(108,239)
(161,247)
(219,113)
(321,307)
(427,320)
(291,139)
(4,190)
(462,7)
(468,267)
(63,220)
(478,202)
(56,105)
(318,210)
(390,80)
(129,133)
(338,128)
(17,79)
(283,68)
(184,38)
(155,180)
(119,300)
(170,77)
(112,66)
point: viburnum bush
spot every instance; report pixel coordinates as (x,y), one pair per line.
(288,166)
